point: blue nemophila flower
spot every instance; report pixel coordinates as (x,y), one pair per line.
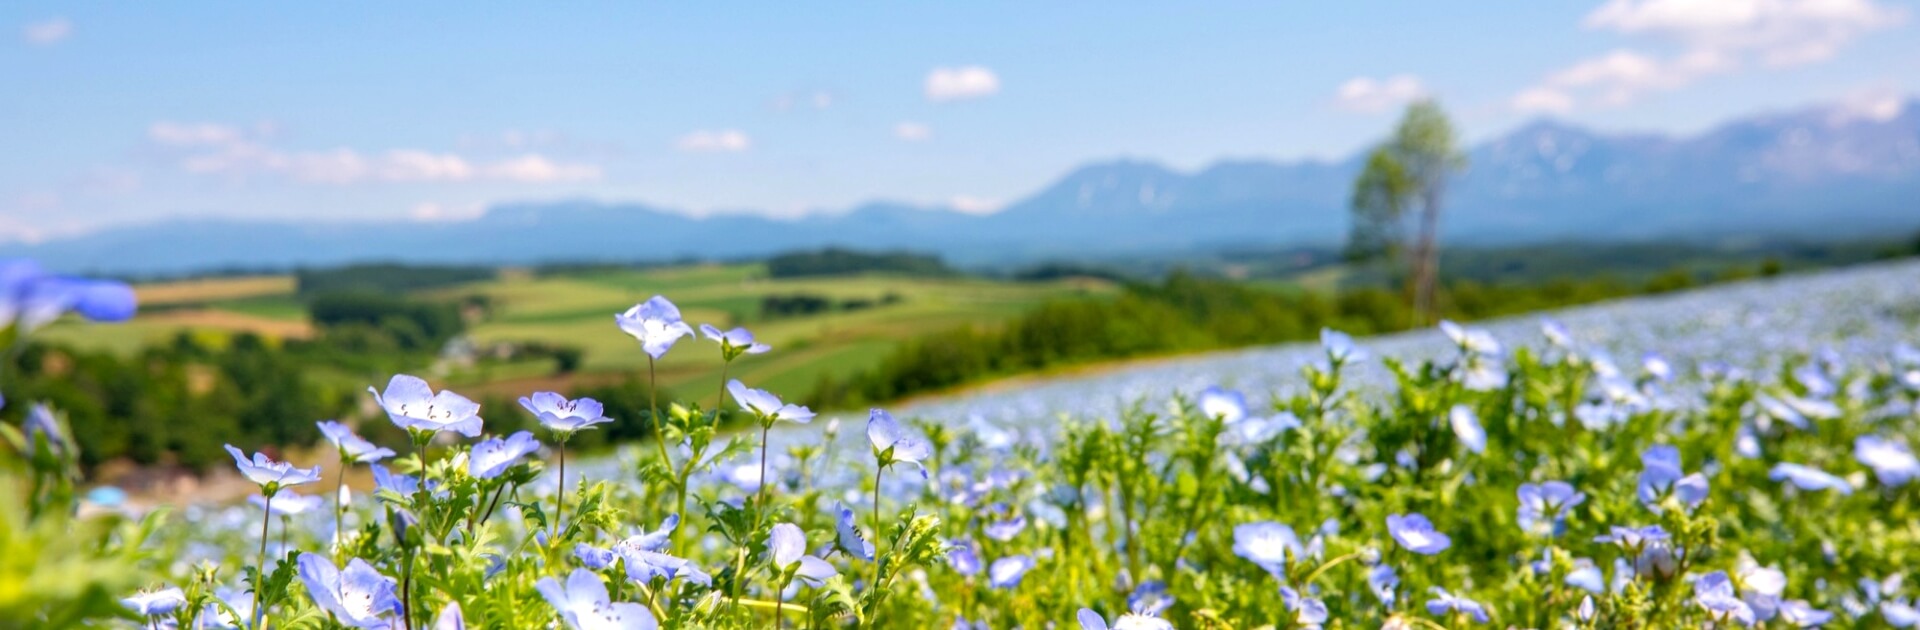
(492,456)
(1656,366)
(1222,404)
(788,547)
(1444,602)
(400,484)
(450,618)
(1714,593)
(1007,572)
(1268,544)
(643,566)
(353,448)
(413,405)
(288,503)
(1586,576)
(1340,347)
(1544,506)
(1470,340)
(1632,539)
(1761,587)
(1416,534)
(1662,477)
(964,556)
(153,603)
(359,597)
(42,424)
(1308,612)
(766,406)
(849,539)
(1585,612)
(592,557)
(564,416)
(1150,598)
(1555,333)
(1900,613)
(734,343)
(268,473)
(1005,530)
(1802,614)
(655,540)
(1891,462)
(583,604)
(1382,581)
(891,444)
(1090,620)
(1466,426)
(31,298)
(655,323)
(1809,478)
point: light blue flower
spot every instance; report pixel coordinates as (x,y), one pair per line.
(1308,612)
(266,472)
(400,484)
(583,604)
(1662,477)
(1268,544)
(1555,333)
(42,424)
(1444,602)
(891,443)
(1005,530)
(30,298)
(289,503)
(1470,340)
(413,405)
(1222,404)
(450,618)
(964,557)
(788,547)
(1150,598)
(359,597)
(564,416)
(734,343)
(1007,572)
(655,323)
(353,448)
(1809,478)
(593,557)
(849,539)
(1382,581)
(1891,462)
(1544,506)
(1416,534)
(1714,593)
(655,540)
(1632,539)
(643,566)
(1586,576)
(492,456)
(154,603)
(766,406)
(1090,620)
(1466,426)
(1340,347)
(1803,615)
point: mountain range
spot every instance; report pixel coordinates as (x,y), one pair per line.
(1815,173)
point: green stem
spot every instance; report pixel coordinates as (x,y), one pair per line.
(339,513)
(260,578)
(561,511)
(873,589)
(653,409)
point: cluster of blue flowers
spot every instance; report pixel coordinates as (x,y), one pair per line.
(1501,485)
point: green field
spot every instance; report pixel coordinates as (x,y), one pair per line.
(577,310)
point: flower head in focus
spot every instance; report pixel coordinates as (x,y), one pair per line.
(413,405)
(655,323)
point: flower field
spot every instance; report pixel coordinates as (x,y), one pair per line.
(1734,457)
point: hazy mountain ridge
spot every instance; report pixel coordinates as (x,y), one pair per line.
(1818,172)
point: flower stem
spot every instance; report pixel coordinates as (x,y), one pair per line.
(760,514)
(561,511)
(873,589)
(339,513)
(653,409)
(260,578)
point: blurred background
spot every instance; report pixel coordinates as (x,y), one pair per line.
(904,200)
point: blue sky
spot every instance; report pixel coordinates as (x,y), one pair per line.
(120,113)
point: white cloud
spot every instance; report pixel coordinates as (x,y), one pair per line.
(1873,105)
(816,99)
(1368,95)
(721,141)
(966,82)
(434,212)
(912,131)
(973,205)
(1709,37)
(47,32)
(216,149)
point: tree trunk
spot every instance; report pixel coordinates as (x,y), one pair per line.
(1427,263)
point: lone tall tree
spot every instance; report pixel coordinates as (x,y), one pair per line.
(1407,174)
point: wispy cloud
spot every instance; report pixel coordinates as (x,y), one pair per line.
(973,205)
(912,131)
(229,150)
(961,83)
(721,141)
(47,32)
(802,99)
(1707,38)
(1368,95)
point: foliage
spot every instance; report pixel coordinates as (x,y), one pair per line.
(834,261)
(388,278)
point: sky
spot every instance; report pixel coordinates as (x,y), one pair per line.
(118,114)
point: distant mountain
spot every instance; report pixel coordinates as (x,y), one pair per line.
(1810,174)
